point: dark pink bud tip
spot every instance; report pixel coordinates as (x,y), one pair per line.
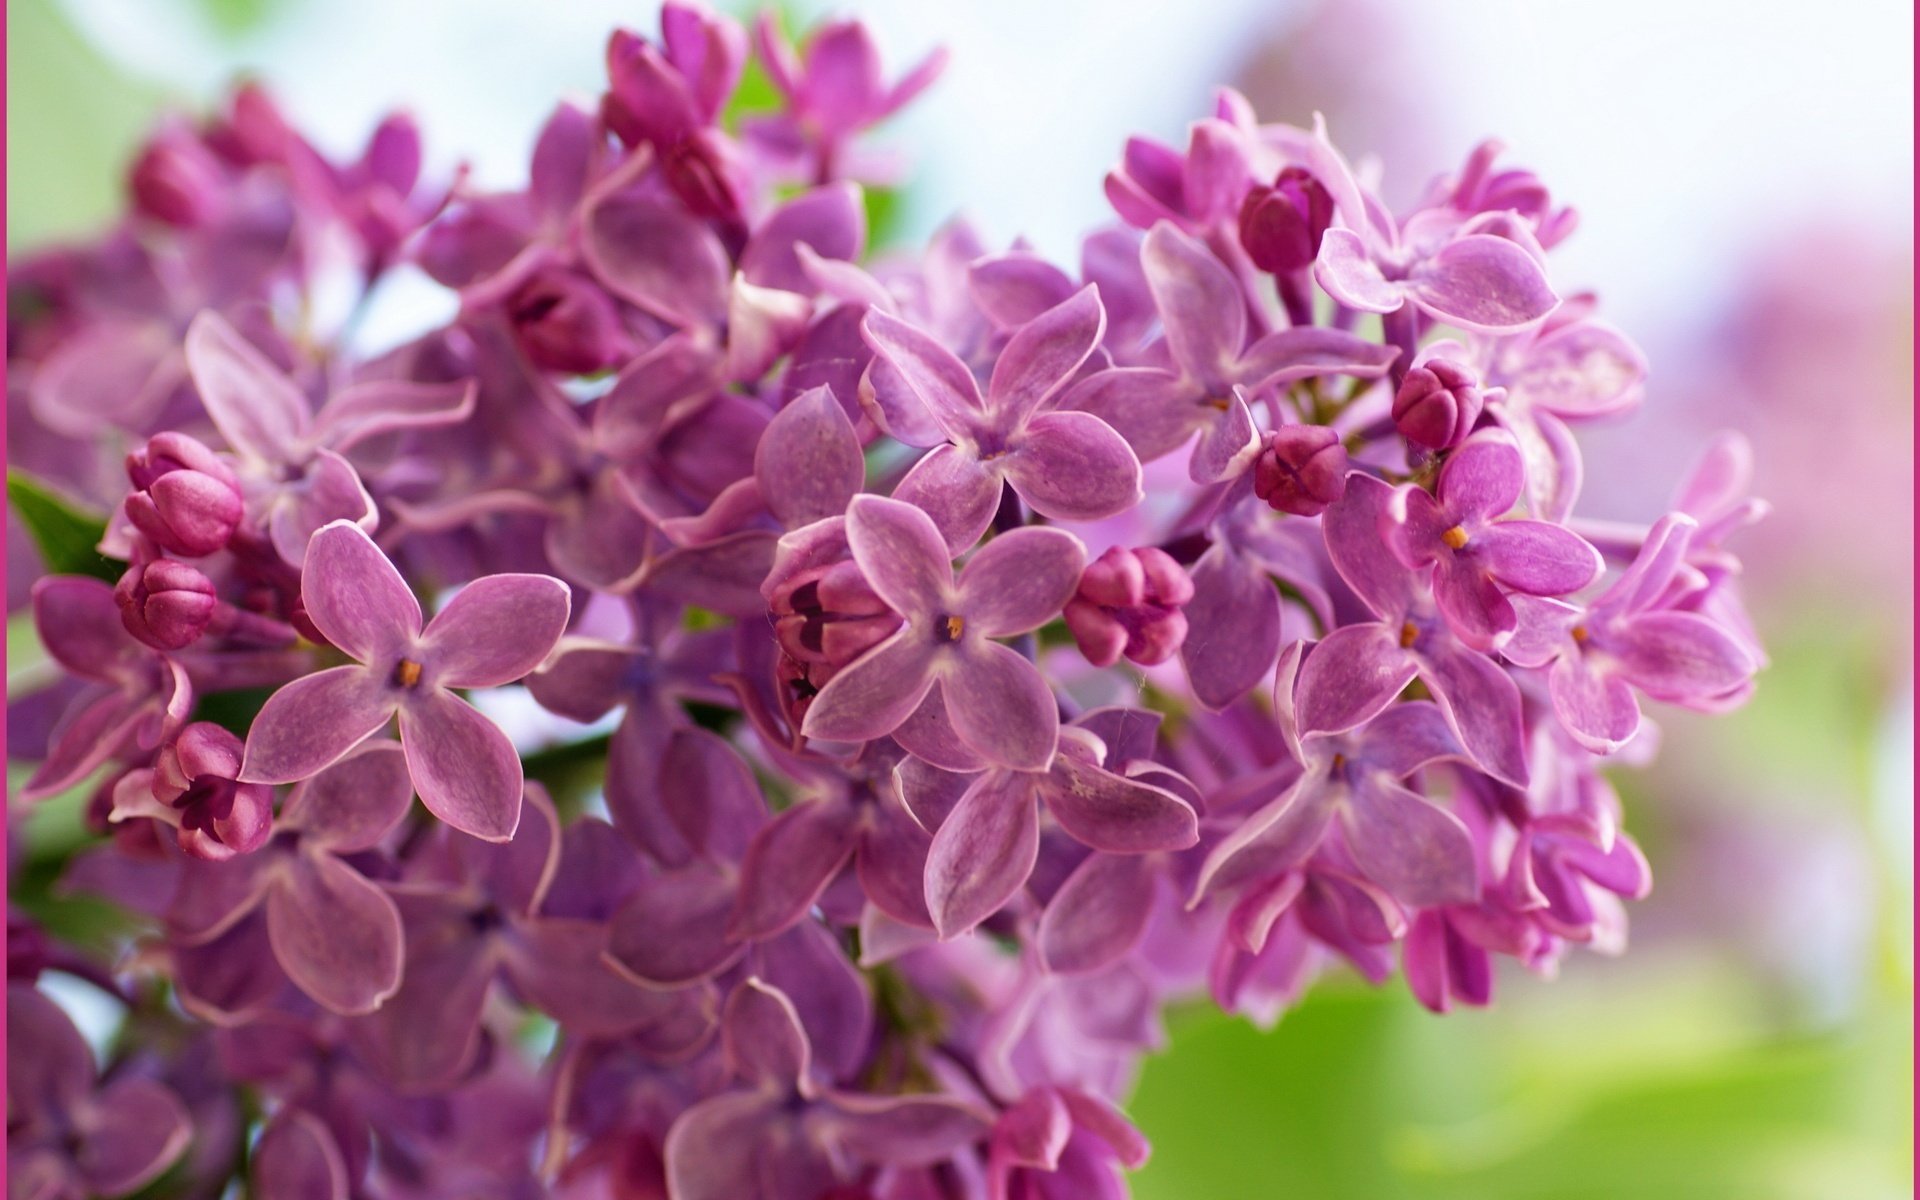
(166,604)
(1437,404)
(185,497)
(1302,470)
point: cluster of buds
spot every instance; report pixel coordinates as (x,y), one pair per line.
(948,660)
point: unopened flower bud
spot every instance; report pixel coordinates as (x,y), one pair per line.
(1437,404)
(829,616)
(1302,470)
(1129,604)
(165,603)
(176,180)
(196,774)
(1281,226)
(185,497)
(567,324)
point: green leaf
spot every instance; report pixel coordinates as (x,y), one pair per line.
(65,533)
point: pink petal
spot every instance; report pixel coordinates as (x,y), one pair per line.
(258,409)
(313,722)
(956,490)
(809,462)
(465,769)
(789,863)
(355,803)
(1416,850)
(983,853)
(356,597)
(1000,706)
(1099,913)
(1200,302)
(1072,466)
(1152,409)
(336,935)
(296,1158)
(495,630)
(871,697)
(1349,275)
(1481,283)
(1115,814)
(1020,580)
(940,381)
(901,554)
(1042,356)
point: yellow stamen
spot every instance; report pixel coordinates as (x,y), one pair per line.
(407,673)
(1409,633)
(1455,538)
(955,626)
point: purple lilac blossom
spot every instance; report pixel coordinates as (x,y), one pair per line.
(911,734)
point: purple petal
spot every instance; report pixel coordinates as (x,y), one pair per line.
(735,1146)
(673,931)
(659,259)
(50,1069)
(928,734)
(1233,627)
(885,394)
(903,1131)
(598,537)
(1072,466)
(313,722)
(1099,913)
(710,794)
(873,695)
(1286,355)
(1350,676)
(901,554)
(1020,580)
(956,490)
(1276,838)
(465,769)
(495,630)
(1000,706)
(789,863)
(329,491)
(1352,527)
(829,219)
(1407,737)
(356,597)
(1042,356)
(1482,479)
(1416,850)
(1349,275)
(296,1158)
(257,408)
(336,935)
(1013,289)
(983,853)
(1113,813)
(560,967)
(1580,370)
(1200,302)
(1537,558)
(762,1037)
(97,726)
(131,1131)
(366,410)
(1481,283)
(428,1033)
(585,679)
(1678,656)
(353,804)
(1597,708)
(808,461)
(1228,444)
(78,622)
(1483,703)
(940,381)
(1152,409)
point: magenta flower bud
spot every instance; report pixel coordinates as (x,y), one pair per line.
(1437,404)
(1302,470)
(165,603)
(1128,604)
(568,324)
(1281,226)
(176,180)
(829,616)
(197,774)
(185,497)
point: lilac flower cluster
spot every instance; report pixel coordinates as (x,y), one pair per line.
(953,659)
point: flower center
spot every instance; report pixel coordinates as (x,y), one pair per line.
(1409,633)
(1455,538)
(948,629)
(406,673)
(1580,635)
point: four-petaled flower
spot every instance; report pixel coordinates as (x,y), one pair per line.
(998,702)
(494,631)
